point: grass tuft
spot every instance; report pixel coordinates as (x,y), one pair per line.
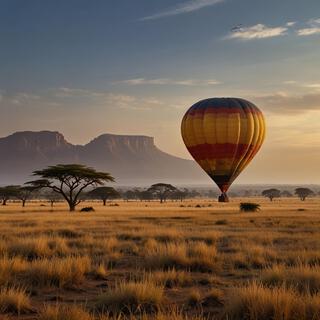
(131,297)
(14,300)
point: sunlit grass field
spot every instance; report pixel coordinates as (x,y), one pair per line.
(196,259)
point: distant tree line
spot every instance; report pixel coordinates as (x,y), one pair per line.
(75,183)
(301,193)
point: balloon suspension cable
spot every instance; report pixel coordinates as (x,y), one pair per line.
(223,197)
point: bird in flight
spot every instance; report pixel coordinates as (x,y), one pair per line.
(236,28)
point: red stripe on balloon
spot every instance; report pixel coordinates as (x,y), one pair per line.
(222,110)
(218,150)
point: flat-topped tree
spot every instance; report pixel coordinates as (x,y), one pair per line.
(104,194)
(69,180)
(271,193)
(25,193)
(303,193)
(162,190)
(7,193)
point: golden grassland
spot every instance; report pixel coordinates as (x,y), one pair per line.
(145,260)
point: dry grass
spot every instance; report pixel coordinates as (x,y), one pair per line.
(194,297)
(100,272)
(151,259)
(131,297)
(58,312)
(58,272)
(15,300)
(195,255)
(64,272)
(171,278)
(304,278)
(257,302)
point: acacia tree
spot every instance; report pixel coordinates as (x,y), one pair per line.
(104,194)
(145,195)
(7,193)
(162,190)
(303,193)
(69,180)
(271,193)
(52,197)
(130,194)
(24,193)
(180,194)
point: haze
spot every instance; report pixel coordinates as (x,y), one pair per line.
(135,67)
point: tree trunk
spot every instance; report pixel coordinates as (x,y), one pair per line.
(72,207)
(4,202)
(104,202)
(23,203)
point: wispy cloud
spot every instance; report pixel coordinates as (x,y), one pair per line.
(290,23)
(289,104)
(258,31)
(313,28)
(165,81)
(185,7)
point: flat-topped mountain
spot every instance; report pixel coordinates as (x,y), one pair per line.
(130,159)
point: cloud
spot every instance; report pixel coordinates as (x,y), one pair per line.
(308,31)
(164,81)
(290,23)
(185,7)
(289,104)
(313,85)
(258,31)
(64,92)
(290,82)
(313,28)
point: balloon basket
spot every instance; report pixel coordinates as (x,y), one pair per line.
(223,198)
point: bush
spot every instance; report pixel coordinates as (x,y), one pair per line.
(249,207)
(87,209)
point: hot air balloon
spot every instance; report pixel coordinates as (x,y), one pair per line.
(223,135)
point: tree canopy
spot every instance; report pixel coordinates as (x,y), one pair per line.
(8,192)
(271,193)
(104,193)
(69,180)
(162,190)
(24,193)
(303,193)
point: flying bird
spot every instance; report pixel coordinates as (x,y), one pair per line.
(236,28)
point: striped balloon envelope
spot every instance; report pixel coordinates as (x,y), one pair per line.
(223,135)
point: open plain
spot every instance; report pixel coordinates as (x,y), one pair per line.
(196,259)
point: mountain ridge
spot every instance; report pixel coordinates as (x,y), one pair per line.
(130,158)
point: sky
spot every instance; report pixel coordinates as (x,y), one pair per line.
(87,67)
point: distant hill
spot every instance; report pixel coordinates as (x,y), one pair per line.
(131,159)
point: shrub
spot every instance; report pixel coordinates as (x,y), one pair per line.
(249,207)
(221,222)
(87,209)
